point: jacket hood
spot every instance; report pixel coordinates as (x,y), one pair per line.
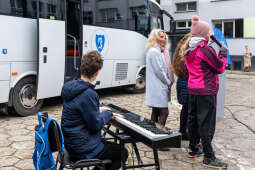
(194,43)
(74,88)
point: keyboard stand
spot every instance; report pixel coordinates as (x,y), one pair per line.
(125,139)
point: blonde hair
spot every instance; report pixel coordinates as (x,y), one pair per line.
(179,58)
(152,40)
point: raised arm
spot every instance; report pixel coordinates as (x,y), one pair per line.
(90,112)
(218,62)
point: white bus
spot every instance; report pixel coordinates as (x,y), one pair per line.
(42,41)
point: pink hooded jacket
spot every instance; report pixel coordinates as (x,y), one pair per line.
(204,65)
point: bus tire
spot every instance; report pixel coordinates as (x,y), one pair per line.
(24,97)
(140,85)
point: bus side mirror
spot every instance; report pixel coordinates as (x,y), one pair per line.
(172,26)
(167,16)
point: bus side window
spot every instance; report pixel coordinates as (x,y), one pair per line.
(29,8)
(89,12)
(112,14)
(19,8)
(5,7)
(52,9)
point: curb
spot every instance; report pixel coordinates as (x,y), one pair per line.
(240,72)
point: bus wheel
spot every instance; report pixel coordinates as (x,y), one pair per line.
(24,97)
(140,83)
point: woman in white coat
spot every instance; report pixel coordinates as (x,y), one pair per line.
(159,75)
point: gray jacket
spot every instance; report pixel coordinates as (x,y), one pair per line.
(157,81)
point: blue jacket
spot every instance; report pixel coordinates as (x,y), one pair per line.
(182,90)
(81,121)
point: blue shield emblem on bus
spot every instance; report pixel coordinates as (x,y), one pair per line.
(4,51)
(100,41)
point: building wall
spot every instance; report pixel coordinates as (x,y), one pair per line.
(209,10)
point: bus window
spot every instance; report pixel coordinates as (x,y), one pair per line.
(111,13)
(88,12)
(139,16)
(155,23)
(20,8)
(5,7)
(52,9)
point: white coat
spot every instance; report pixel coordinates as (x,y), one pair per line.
(157,81)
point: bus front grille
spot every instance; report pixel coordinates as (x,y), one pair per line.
(121,71)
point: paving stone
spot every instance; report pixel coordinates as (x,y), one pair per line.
(7,151)
(31,127)
(21,138)
(8,161)
(15,132)
(24,153)
(176,165)
(15,126)
(5,143)
(23,145)
(25,164)
(4,136)
(9,168)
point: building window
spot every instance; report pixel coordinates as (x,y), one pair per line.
(239,28)
(183,24)
(186,7)
(230,28)
(110,15)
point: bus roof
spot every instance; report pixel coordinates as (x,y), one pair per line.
(155,2)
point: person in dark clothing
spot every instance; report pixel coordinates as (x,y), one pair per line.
(182,83)
(82,118)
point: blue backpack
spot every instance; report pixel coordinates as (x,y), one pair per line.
(47,141)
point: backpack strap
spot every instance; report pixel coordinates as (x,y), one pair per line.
(47,125)
(40,116)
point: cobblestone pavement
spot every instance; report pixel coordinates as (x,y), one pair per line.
(234,142)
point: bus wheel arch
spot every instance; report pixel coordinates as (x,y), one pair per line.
(24,100)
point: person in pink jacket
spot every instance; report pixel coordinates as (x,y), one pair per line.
(203,65)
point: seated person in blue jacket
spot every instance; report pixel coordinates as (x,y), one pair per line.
(83,119)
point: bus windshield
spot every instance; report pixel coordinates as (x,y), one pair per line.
(139,16)
(155,22)
(156,19)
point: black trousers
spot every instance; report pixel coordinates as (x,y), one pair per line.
(202,122)
(111,152)
(184,118)
(159,115)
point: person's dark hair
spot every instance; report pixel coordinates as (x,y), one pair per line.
(91,63)
(179,58)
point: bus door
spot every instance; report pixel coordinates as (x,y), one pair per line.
(51,29)
(74,38)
